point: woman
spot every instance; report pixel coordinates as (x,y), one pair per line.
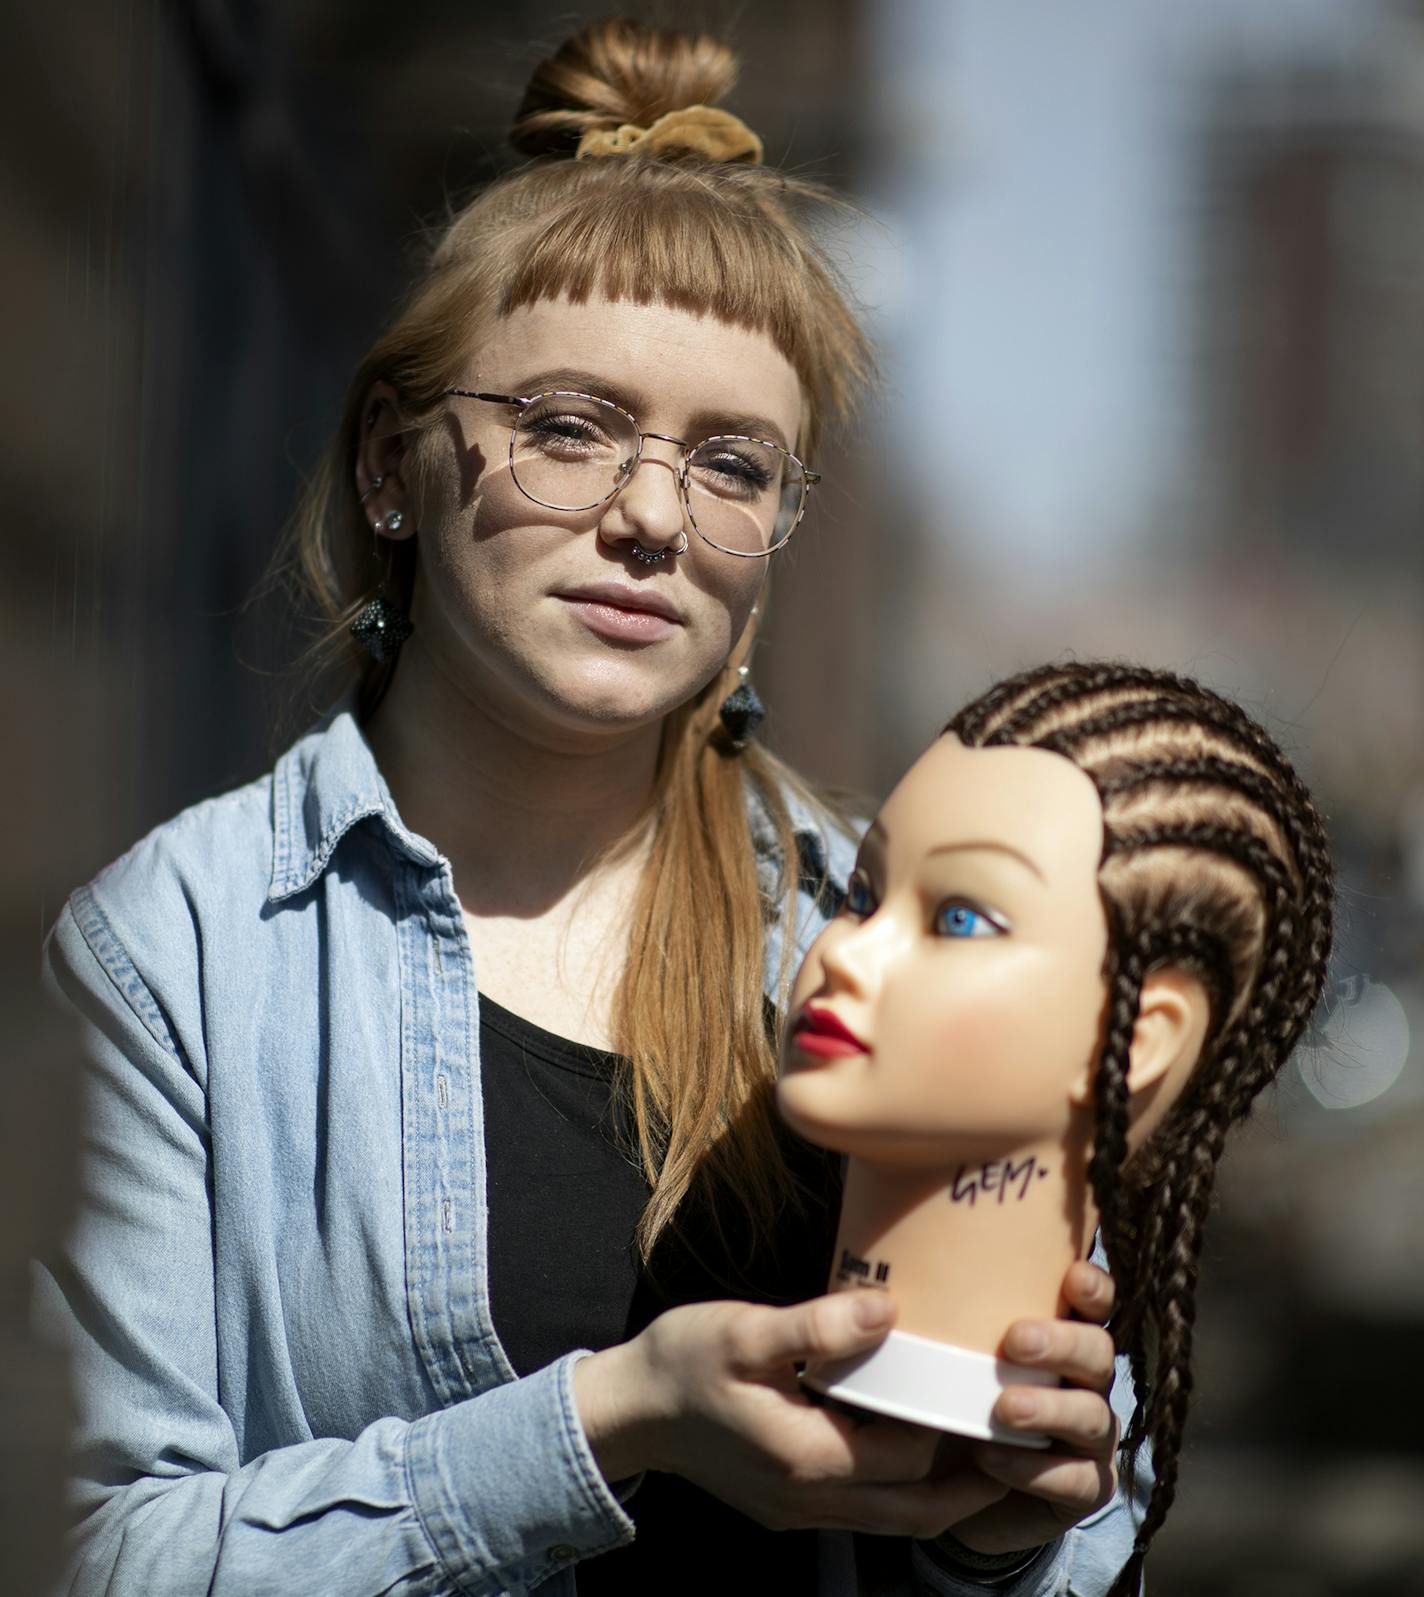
(441,1055)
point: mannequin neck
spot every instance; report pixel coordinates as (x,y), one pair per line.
(974,1243)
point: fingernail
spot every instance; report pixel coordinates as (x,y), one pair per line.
(1020,1408)
(1030,1342)
(872,1311)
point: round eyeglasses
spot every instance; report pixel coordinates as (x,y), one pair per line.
(572,451)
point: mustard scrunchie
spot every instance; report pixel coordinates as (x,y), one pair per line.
(703,130)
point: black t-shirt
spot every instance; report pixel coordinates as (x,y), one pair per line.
(564,1197)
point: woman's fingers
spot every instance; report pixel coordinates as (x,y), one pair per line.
(920,1509)
(1068,1485)
(886,1452)
(762,1342)
(1072,1415)
(1051,1490)
(1082,1354)
(1089,1291)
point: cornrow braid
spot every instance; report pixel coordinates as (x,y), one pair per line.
(1068,689)
(1215,861)
(969,723)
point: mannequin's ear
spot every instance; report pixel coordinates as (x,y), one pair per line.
(1172,1022)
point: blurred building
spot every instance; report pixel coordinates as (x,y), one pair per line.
(1309,479)
(1314,318)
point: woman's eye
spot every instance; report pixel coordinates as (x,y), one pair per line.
(563,433)
(729,473)
(955,918)
(859,899)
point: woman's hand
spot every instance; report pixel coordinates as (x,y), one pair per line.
(709,1391)
(1049,1491)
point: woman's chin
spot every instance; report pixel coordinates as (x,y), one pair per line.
(623,695)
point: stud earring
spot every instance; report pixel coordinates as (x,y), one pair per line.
(377,483)
(392,522)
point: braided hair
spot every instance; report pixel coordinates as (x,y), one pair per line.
(1214,861)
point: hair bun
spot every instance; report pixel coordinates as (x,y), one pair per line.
(616,72)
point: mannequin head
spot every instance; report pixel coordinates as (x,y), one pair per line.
(969,962)
(1200,951)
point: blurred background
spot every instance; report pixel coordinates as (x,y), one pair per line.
(1149,285)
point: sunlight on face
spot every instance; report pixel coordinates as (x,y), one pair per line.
(503,595)
(957,1000)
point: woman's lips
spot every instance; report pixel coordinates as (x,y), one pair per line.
(612,621)
(623,614)
(817,1031)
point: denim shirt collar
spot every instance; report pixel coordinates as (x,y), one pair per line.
(321,787)
(328,781)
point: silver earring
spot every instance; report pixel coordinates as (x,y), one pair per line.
(376,484)
(393,522)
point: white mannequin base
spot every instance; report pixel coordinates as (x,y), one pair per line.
(933,1384)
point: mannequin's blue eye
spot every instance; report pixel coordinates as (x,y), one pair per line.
(859,900)
(958,919)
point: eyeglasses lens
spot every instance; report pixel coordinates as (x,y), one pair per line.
(573,452)
(744,496)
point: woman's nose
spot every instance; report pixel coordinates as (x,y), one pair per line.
(648,508)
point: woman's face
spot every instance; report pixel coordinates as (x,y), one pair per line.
(955,1004)
(546,617)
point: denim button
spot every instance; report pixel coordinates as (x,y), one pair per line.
(562,1553)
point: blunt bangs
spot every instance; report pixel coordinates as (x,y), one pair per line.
(651,232)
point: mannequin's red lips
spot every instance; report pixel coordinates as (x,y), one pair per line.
(818,1031)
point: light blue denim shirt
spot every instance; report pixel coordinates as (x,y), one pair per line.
(276,1297)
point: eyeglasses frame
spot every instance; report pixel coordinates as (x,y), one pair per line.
(809,478)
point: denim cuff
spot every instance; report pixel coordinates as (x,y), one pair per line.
(506,1486)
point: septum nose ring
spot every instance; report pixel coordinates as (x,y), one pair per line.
(650,557)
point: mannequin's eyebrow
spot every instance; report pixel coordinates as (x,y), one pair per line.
(997,848)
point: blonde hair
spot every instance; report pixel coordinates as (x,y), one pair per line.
(730,241)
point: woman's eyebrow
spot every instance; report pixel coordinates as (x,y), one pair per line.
(713,424)
(581,382)
(988,843)
(705,424)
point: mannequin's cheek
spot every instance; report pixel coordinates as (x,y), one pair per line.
(968,1033)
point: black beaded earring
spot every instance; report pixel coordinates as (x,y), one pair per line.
(742,711)
(382,626)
